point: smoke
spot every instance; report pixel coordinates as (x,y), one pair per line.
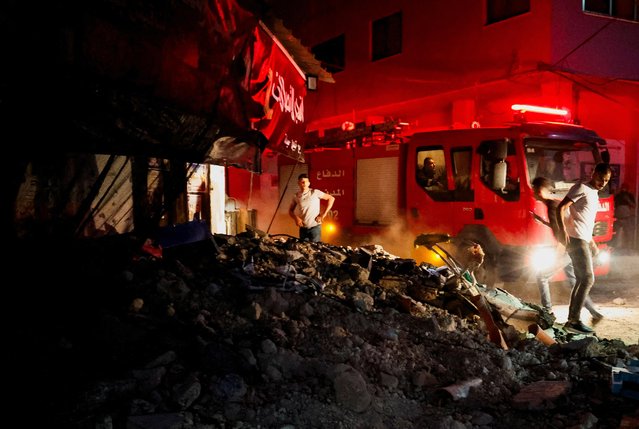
(624,267)
(271,218)
(396,239)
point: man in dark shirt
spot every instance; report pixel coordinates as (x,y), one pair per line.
(431,176)
(625,205)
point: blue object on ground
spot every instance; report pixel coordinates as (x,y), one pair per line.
(625,381)
(183,233)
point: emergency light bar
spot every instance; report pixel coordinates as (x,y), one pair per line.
(523,108)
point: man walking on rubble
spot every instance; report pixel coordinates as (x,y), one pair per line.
(582,201)
(305,209)
(542,188)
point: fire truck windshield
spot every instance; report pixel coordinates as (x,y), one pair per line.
(563,162)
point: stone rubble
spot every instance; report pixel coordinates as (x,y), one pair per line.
(269,332)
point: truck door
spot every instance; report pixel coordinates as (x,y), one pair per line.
(499,188)
(441,200)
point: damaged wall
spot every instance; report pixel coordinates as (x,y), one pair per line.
(182,81)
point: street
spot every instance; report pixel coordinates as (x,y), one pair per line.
(616,295)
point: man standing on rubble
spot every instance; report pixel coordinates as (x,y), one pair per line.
(542,187)
(306,210)
(582,201)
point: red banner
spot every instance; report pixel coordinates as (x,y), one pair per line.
(280,86)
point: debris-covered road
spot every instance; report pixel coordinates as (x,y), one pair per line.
(615,295)
(249,331)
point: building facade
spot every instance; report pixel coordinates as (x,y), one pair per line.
(433,65)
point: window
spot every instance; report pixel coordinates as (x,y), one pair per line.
(332,54)
(387,36)
(461,162)
(597,6)
(498,169)
(430,172)
(499,10)
(563,163)
(624,9)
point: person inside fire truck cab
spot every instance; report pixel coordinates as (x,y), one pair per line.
(565,167)
(625,205)
(582,202)
(543,188)
(306,211)
(431,176)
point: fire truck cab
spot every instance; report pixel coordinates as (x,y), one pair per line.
(482,192)
(486,194)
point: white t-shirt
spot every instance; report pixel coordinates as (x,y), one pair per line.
(581,222)
(307,206)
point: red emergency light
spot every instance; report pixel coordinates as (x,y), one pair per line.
(523,108)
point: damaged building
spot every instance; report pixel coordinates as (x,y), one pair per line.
(141,110)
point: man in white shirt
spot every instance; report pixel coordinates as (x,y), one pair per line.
(582,201)
(542,188)
(305,209)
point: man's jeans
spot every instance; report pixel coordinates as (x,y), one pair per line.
(543,282)
(581,257)
(311,234)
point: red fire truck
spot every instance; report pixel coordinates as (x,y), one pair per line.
(485,193)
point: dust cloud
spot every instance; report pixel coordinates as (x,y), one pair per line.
(396,239)
(624,267)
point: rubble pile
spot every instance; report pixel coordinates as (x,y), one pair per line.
(268,332)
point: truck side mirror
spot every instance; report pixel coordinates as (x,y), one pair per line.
(499,152)
(500,172)
(499,149)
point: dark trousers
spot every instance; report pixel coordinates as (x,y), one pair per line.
(311,234)
(581,257)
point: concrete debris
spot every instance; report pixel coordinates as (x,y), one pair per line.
(541,395)
(619,301)
(271,332)
(461,390)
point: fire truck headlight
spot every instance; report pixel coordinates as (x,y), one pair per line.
(603,257)
(422,254)
(329,228)
(543,258)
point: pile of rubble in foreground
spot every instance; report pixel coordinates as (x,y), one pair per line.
(269,332)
